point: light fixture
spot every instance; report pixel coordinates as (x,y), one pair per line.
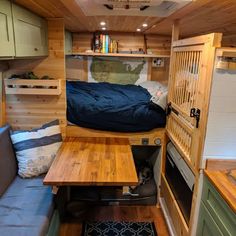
(104,28)
(145,24)
(138,30)
(102,23)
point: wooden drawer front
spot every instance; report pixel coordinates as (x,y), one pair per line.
(219,209)
(180,225)
(206,225)
(30,33)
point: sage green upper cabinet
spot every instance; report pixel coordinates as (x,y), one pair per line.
(6,31)
(30,33)
(68,43)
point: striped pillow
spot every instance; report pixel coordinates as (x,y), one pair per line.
(36,149)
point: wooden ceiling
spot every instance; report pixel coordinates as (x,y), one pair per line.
(200,16)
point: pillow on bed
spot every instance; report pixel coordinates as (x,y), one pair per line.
(158,92)
(36,149)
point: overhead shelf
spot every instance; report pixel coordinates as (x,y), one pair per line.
(226,58)
(94,54)
(226,52)
(32,86)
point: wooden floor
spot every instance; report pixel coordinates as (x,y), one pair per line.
(119,213)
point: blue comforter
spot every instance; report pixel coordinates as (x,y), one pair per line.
(112,107)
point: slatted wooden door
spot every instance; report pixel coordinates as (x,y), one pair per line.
(191,69)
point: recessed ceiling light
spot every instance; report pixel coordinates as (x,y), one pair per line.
(138,30)
(104,28)
(145,24)
(102,23)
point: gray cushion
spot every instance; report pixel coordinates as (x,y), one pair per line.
(26,208)
(8,165)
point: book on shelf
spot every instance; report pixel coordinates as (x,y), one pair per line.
(102,43)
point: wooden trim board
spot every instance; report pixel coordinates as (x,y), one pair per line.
(154,137)
(94,54)
(214,39)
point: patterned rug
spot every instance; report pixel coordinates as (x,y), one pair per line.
(113,228)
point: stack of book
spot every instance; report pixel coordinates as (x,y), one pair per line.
(103,43)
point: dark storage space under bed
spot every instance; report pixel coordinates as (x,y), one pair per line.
(145,193)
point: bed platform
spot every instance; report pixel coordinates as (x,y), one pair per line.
(153,137)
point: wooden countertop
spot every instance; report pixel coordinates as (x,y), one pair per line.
(225,183)
(93,161)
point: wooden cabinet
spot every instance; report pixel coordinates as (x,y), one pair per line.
(215,217)
(68,43)
(6,30)
(30,33)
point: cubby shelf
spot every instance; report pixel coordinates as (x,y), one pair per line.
(32,86)
(225,56)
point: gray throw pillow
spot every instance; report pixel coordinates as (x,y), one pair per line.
(36,149)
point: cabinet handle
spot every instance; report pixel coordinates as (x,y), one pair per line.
(36,49)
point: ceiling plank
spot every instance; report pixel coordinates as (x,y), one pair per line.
(198,17)
(76,11)
(165,25)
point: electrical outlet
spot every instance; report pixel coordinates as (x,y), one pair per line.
(158,62)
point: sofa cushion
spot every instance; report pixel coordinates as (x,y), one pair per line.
(26,208)
(36,149)
(8,164)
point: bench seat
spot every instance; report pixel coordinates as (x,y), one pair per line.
(26,205)
(26,208)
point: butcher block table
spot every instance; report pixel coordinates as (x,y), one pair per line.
(93,162)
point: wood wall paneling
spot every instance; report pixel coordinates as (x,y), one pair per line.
(77,68)
(26,111)
(3,67)
(126,41)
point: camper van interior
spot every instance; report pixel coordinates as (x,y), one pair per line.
(117,117)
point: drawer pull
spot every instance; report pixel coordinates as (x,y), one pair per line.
(36,49)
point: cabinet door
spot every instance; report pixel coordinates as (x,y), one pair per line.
(206,224)
(6,32)
(223,215)
(30,33)
(190,78)
(68,43)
